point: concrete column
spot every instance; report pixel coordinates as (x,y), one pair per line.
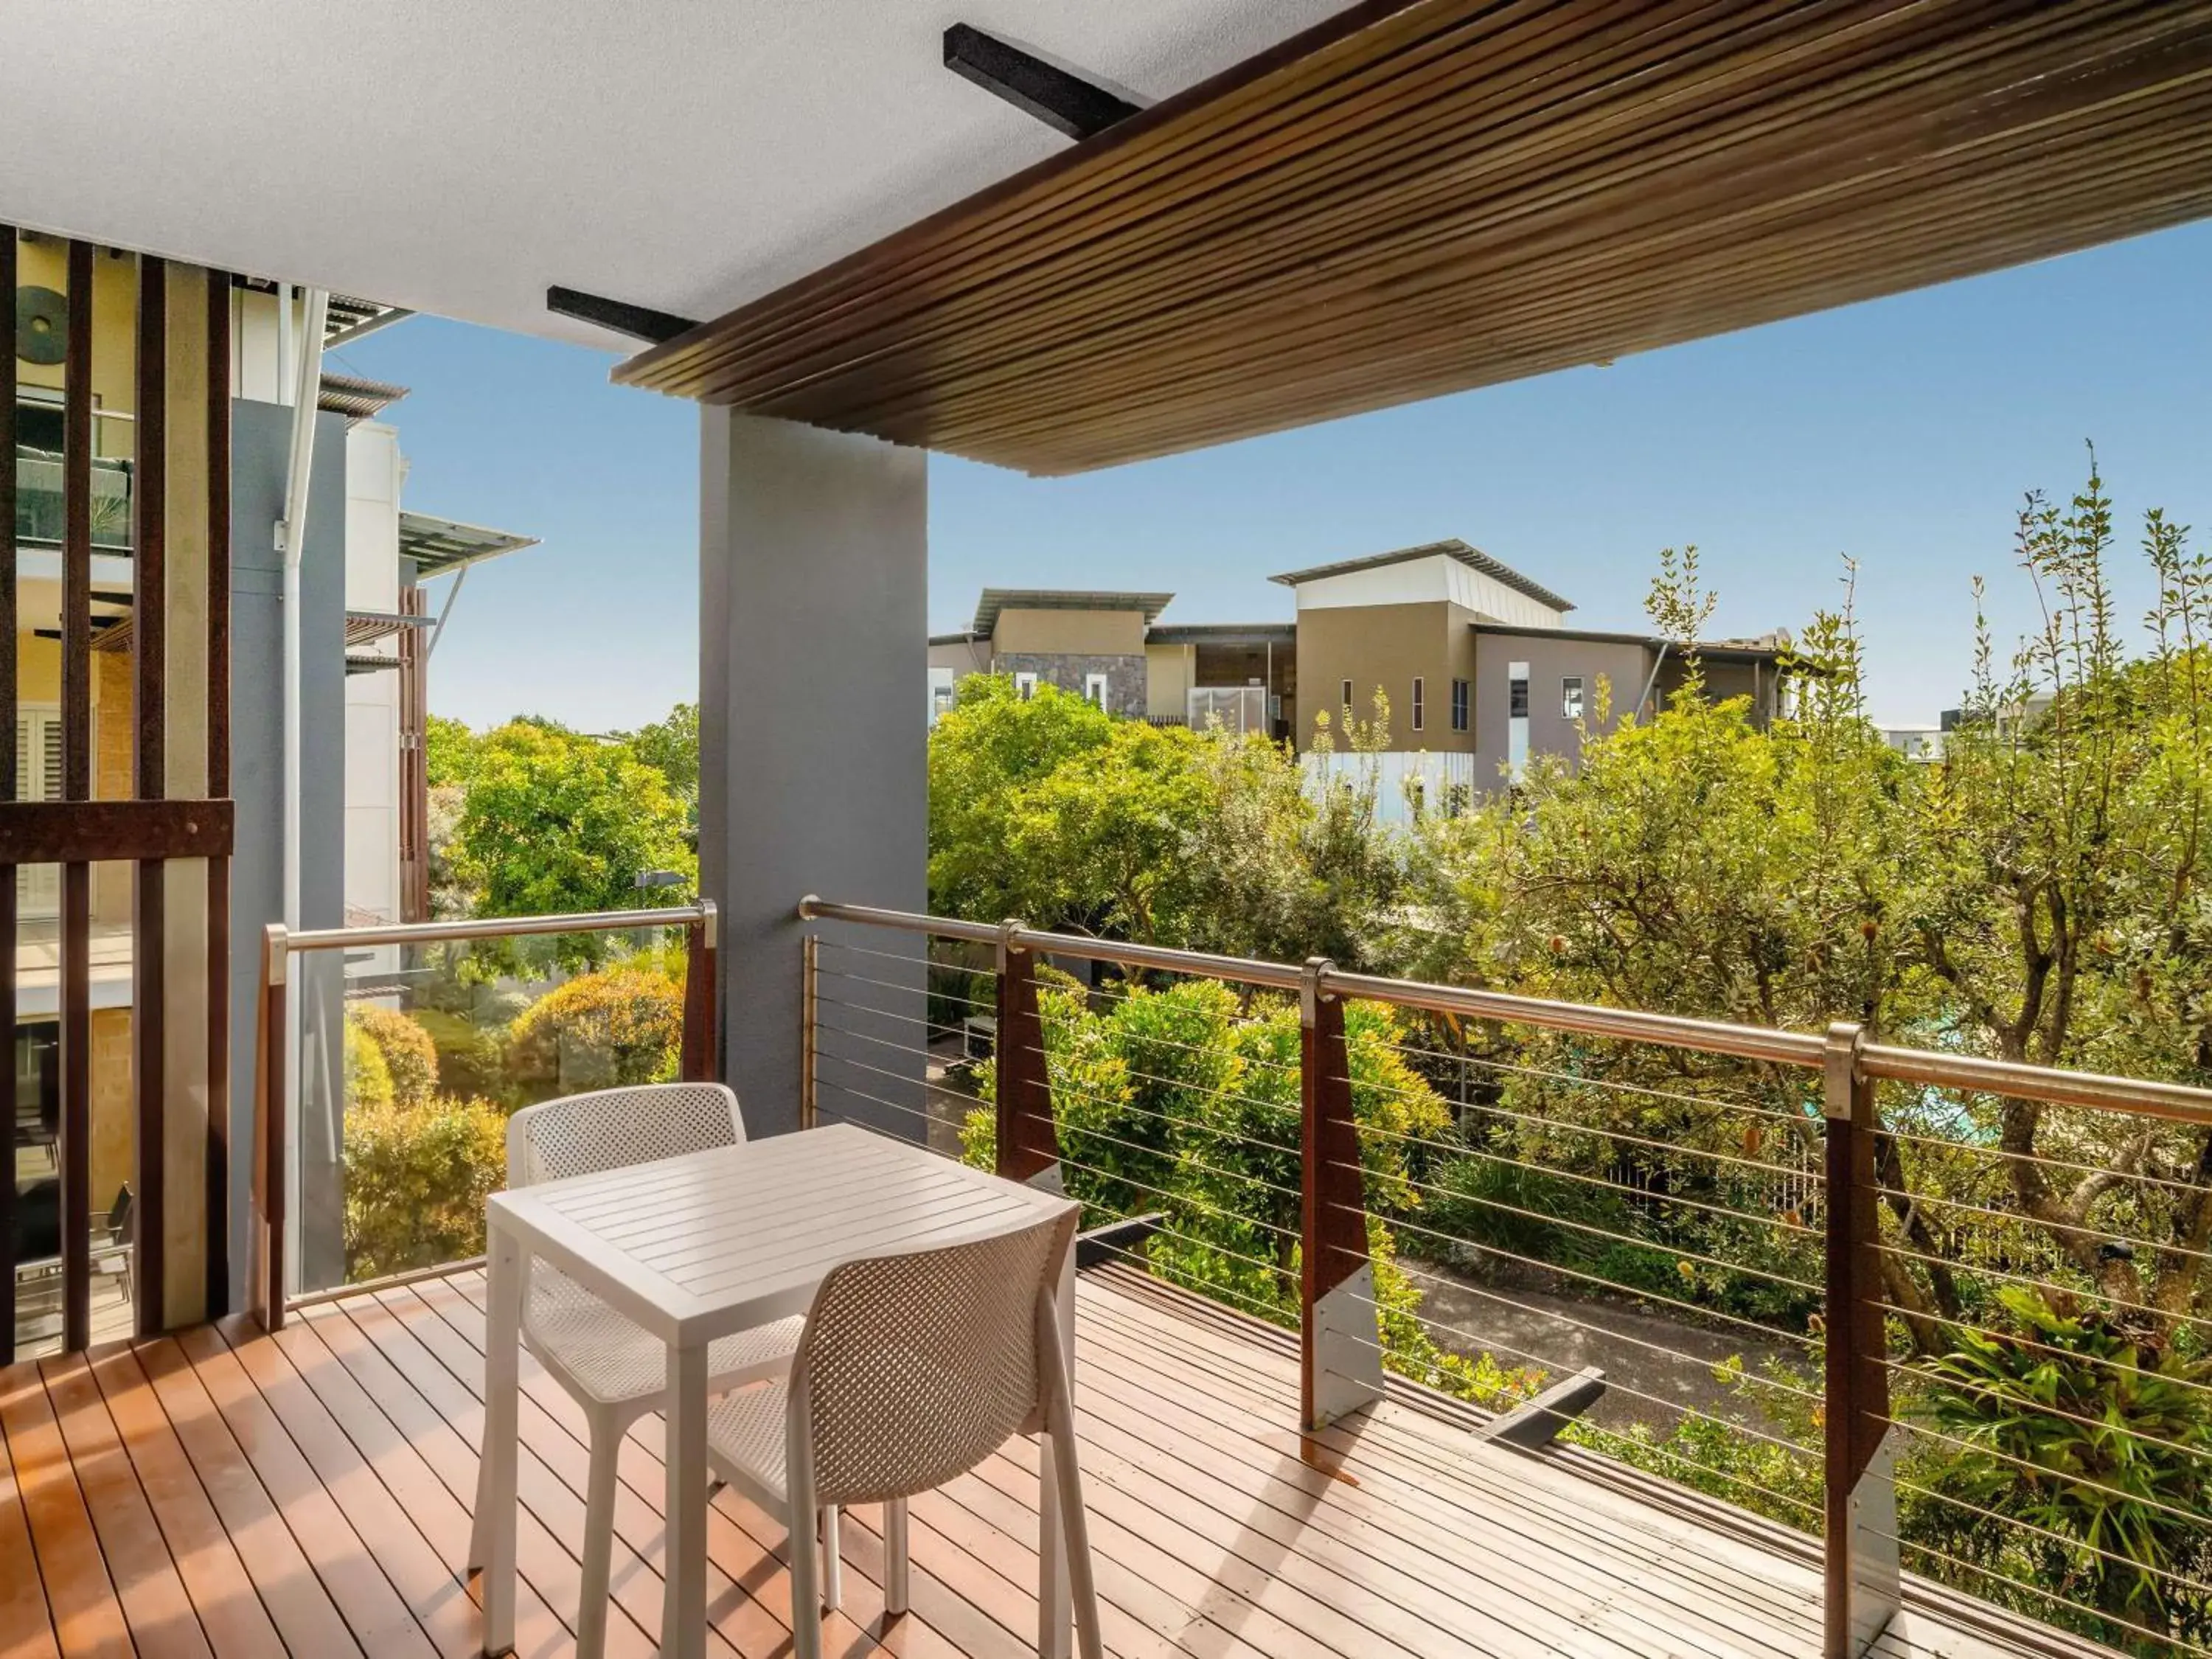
(813,657)
(261,436)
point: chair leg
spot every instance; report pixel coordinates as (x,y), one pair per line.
(598,1538)
(833,1566)
(895,1557)
(805,1598)
(1060,1420)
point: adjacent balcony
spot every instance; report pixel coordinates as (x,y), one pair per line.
(39,508)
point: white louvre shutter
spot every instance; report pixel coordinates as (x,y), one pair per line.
(38,777)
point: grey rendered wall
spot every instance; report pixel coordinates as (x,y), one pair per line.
(261,438)
(1550,733)
(813,749)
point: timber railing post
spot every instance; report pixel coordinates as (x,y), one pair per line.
(698,1062)
(1029,1142)
(1339,1340)
(266,1279)
(1862,1588)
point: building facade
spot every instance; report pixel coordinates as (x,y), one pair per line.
(1440,654)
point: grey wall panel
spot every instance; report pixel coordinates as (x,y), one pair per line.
(812,630)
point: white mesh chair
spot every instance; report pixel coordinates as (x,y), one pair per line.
(914,1368)
(616,1371)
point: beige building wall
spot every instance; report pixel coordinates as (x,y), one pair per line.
(1170,673)
(1385,646)
(44,262)
(961,657)
(1069,633)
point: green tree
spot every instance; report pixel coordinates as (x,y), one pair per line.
(985,753)
(671,747)
(1284,871)
(555,822)
(449,750)
(1047,808)
(2063,899)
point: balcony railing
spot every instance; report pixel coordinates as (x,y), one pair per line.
(416,1043)
(40,512)
(1457,1196)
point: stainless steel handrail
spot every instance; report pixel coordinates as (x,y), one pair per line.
(435,933)
(2176,1102)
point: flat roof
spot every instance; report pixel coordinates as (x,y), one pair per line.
(1223,634)
(440,546)
(995,599)
(1712,650)
(1450,548)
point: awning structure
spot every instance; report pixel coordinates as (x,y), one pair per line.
(993,600)
(441,546)
(1409,200)
(357,399)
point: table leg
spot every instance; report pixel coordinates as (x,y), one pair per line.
(491,1539)
(1056,1607)
(684,1604)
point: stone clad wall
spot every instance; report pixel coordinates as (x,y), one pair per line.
(1125,676)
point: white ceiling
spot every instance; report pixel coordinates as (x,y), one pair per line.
(458,156)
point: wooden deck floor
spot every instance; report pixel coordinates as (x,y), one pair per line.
(224,1492)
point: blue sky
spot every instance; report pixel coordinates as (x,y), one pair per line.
(1902,433)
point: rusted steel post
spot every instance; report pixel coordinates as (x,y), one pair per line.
(1339,1342)
(1029,1142)
(266,1283)
(1861,1590)
(699,1061)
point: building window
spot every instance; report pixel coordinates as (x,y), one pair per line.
(1459,705)
(1025,686)
(1516,696)
(1419,703)
(1347,696)
(1570,697)
(1094,689)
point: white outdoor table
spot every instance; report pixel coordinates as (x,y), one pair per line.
(696,1248)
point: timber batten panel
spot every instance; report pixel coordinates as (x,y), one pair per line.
(1416,199)
(139,799)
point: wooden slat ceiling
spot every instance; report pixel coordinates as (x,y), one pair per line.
(1417,199)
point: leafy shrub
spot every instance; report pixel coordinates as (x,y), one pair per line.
(472,1057)
(368,1078)
(415,1180)
(600,1030)
(410,1056)
(2096,1441)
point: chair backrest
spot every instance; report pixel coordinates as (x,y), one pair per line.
(582,1134)
(118,1213)
(917,1366)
